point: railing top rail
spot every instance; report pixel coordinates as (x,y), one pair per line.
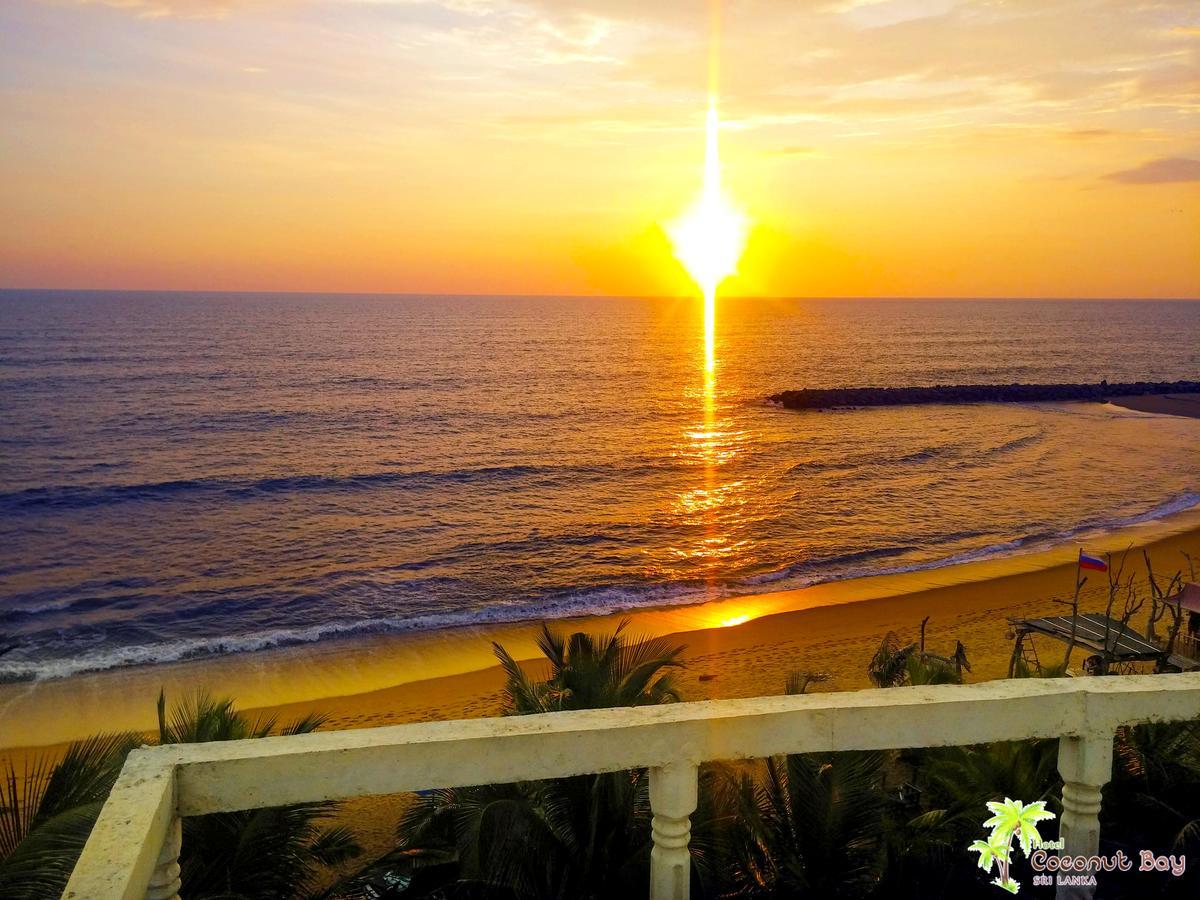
(248,774)
(943,697)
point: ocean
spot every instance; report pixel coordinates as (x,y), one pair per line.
(192,474)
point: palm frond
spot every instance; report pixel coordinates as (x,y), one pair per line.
(888,667)
(521,694)
(47,812)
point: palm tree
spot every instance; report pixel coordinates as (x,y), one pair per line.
(580,837)
(1153,801)
(804,825)
(926,842)
(808,826)
(930,669)
(962,780)
(592,672)
(264,853)
(894,666)
(889,665)
(47,812)
(1022,669)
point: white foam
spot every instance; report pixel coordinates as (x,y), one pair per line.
(591,602)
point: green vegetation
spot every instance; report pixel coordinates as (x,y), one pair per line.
(848,826)
(260,853)
(578,837)
(47,811)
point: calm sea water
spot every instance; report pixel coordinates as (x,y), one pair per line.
(189,474)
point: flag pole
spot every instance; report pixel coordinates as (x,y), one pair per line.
(1074,609)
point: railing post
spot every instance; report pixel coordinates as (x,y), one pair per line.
(672,800)
(1085,764)
(164,883)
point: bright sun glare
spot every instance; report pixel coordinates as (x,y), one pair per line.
(709,238)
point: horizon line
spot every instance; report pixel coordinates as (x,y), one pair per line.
(580,296)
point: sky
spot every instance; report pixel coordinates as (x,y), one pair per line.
(1024,148)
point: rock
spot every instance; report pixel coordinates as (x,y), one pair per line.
(818,398)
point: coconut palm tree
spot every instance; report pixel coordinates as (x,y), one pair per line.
(1153,801)
(47,812)
(895,666)
(889,665)
(592,672)
(804,825)
(953,785)
(808,826)
(264,853)
(580,837)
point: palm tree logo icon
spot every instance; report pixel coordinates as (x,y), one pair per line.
(1010,819)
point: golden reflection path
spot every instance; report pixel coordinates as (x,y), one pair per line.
(710,506)
(708,239)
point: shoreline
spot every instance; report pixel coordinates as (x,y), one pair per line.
(1185,405)
(187,652)
(741,646)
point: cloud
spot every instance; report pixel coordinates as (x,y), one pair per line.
(924,72)
(182,9)
(1090,134)
(153,9)
(1166,170)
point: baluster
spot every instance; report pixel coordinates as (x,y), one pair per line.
(672,800)
(164,883)
(1085,764)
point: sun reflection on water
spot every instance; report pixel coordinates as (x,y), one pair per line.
(708,240)
(710,508)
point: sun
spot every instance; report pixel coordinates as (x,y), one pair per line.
(709,238)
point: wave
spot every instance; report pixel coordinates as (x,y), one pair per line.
(85,496)
(1017,443)
(599,601)
(962,454)
(1035,540)
(595,601)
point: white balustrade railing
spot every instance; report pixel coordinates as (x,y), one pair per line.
(134,848)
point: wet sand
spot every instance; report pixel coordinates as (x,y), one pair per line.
(740,647)
(736,647)
(1165,404)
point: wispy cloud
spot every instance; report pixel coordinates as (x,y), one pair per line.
(1090,134)
(184,9)
(888,119)
(1166,170)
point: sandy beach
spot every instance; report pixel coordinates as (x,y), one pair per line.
(834,629)
(737,647)
(740,647)
(1164,404)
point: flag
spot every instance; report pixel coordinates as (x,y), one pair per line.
(1094,563)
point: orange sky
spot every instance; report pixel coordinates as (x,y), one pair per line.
(881,147)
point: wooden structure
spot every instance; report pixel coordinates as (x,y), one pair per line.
(1114,646)
(1187,602)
